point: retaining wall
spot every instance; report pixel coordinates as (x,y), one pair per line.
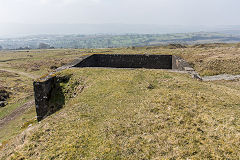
(43,90)
(128,61)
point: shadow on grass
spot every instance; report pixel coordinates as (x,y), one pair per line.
(57,99)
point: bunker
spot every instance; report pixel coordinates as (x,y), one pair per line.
(47,87)
(128,61)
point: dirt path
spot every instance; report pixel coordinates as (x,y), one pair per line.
(21,109)
(20,73)
(16,113)
(221,77)
(226,77)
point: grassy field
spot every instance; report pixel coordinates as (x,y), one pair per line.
(207,59)
(19,87)
(21,92)
(119,116)
(125,114)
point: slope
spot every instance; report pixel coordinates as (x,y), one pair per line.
(135,114)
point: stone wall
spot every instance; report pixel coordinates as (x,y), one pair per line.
(43,92)
(127,61)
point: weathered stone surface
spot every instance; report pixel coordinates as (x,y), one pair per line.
(4,95)
(3,103)
(195,75)
(179,64)
(49,96)
(188,69)
(42,94)
(127,61)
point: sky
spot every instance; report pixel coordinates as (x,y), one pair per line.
(161,12)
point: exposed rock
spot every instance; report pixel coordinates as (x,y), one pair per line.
(42,93)
(195,75)
(150,86)
(3,103)
(53,67)
(4,95)
(188,69)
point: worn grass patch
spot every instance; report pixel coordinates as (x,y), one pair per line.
(137,114)
(19,86)
(21,91)
(18,125)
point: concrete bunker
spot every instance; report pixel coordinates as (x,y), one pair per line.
(129,61)
(46,88)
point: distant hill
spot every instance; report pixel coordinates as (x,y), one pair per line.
(116,41)
(14,30)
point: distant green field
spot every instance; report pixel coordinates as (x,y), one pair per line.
(116,41)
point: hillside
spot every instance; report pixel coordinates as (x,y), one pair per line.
(118,116)
(125,113)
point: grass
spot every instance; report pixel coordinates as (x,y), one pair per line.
(18,125)
(37,62)
(20,89)
(125,114)
(207,59)
(118,116)
(235,84)
(4,111)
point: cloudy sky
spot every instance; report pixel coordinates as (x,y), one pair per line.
(163,12)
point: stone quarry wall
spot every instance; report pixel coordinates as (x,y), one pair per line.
(46,89)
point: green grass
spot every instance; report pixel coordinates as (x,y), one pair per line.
(118,116)
(17,126)
(20,89)
(207,59)
(126,114)
(4,111)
